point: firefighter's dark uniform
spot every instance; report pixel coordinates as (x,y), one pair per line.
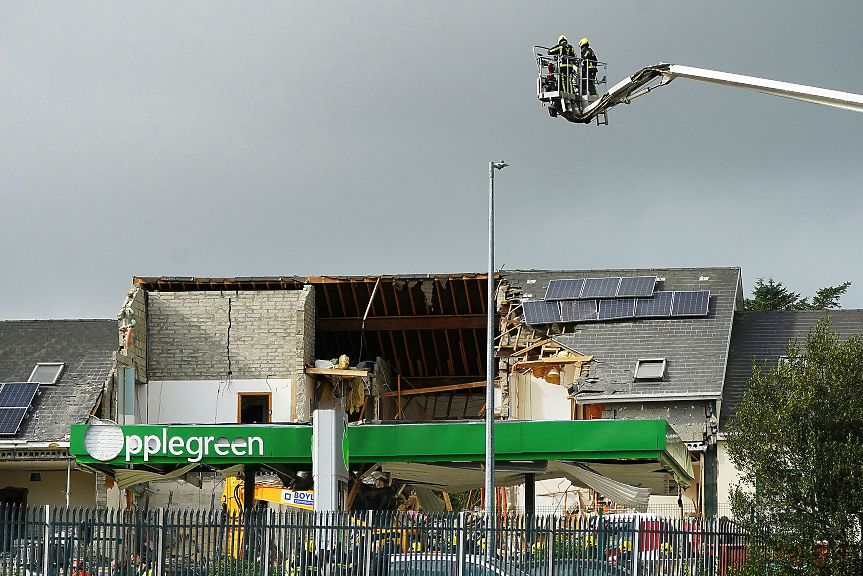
(567,63)
(588,58)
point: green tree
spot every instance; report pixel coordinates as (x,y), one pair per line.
(465,500)
(828,298)
(797,440)
(771,296)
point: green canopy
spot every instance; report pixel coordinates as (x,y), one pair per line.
(602,443)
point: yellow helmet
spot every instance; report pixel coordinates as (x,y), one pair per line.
(562,39)
(583,42)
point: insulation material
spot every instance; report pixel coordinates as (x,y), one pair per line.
(355,393)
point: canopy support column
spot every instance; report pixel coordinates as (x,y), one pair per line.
(249,488)
(529,494)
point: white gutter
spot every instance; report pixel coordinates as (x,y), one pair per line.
(33,445)
(646,397)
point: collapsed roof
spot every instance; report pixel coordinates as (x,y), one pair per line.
(430,330)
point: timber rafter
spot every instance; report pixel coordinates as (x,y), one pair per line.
(430,330)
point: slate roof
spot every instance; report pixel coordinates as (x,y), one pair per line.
(85,346)
(695,348)
(764,337)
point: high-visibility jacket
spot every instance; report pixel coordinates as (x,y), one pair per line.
(563,50)
(588,55)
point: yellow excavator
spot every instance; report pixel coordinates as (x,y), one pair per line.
(232,499)
(234,492)
(396,536)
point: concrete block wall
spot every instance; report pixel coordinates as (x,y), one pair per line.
(254,334)
(305,388)
(688,418)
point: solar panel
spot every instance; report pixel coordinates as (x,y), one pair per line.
(636,286)
(17,394)
(657,307)
(564,289)
(578,310)
(10,420)
(616,308)
(600,287)
(540,312)
(691,303)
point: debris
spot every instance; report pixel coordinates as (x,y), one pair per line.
(354,395)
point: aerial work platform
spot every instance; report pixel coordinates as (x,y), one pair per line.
(579,107)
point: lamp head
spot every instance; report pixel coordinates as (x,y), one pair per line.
(499,165)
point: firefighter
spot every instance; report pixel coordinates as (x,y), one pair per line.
(588,58)
(566,57)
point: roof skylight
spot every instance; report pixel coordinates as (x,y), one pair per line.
(47,372)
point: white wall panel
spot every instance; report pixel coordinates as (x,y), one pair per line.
(210,401)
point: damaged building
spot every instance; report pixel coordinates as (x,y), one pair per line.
(571,345)
(624,344)
(268,350)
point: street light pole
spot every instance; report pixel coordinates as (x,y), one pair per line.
(490,364)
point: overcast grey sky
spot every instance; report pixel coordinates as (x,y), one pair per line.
(308,138)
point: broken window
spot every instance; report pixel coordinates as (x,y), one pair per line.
(46,372)
(254,407)
(650,369)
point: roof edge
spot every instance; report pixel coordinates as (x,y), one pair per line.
(613,398)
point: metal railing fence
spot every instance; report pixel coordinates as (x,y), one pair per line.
(552,77)
(43,541)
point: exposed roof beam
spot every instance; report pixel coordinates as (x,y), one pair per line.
(447,388)
(338,373)
(463,351)
(552,361)
(448,322)
(447,379)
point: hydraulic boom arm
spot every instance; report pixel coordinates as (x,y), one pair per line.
(834,98)
(652,77)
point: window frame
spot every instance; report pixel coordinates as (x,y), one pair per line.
(268,395)
(62,368)
(651,361)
